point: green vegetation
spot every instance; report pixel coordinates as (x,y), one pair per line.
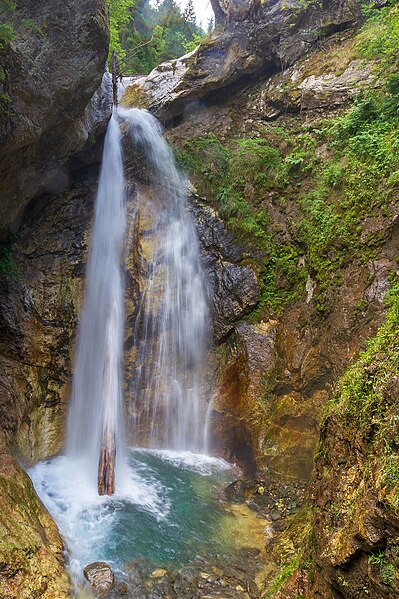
(237,176)
(7,7)
(367,401)
(145,34)
(286,570)
(7,266)
(333,175)
(119,16)
(365,412)
(387,569)
(6,29)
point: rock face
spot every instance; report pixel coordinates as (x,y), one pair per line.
(317,85)
(236,418)
(51,117)
(258,39)
(355,492)
(234,288)
(31,550)
(38,319)
(52,68)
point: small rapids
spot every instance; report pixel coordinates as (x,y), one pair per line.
(165,509)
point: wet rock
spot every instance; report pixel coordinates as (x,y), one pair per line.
(32,562)
(240,491)
(235,293)
(275,515)
(159,573)
(234,287)
(216,241)
(137,571)
(100,577)
(38,319)
(209,576)
(237,417)
(122,588)
(57,59)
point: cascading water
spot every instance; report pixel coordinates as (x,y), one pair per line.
(172,326)
(94,423)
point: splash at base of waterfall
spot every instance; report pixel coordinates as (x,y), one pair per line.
(165,509)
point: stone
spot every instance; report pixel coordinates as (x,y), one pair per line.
(32,560)
(240,491)
(100,576)
(46,65)
(234,288)
(237,416)
(275,515)
(258,39)
(159,573)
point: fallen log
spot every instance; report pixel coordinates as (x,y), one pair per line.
(106,463)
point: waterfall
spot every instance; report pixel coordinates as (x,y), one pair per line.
(95,411)
(171,329)
(172,324)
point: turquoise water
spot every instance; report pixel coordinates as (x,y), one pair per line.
(167,509)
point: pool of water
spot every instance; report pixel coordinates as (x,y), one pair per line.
(167,509)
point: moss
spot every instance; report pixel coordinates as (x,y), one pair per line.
(386,568)
(30,547)
(286,570)
(8,268)
(134,97)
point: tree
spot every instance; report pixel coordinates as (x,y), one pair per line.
(119,15)
(155,32)
(189,13)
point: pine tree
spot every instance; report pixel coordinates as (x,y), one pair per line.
(189,13)
(210,25)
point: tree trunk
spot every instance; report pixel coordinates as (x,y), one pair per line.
(114,79)
(106,464)
(220,13)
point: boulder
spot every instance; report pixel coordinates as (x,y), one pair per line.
(100,577)
(240,491)
(32,561)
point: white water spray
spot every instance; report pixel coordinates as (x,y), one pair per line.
(96,391)
(172,326)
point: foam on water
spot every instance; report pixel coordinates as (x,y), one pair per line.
(202,464)
(159,507)
(85,519)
